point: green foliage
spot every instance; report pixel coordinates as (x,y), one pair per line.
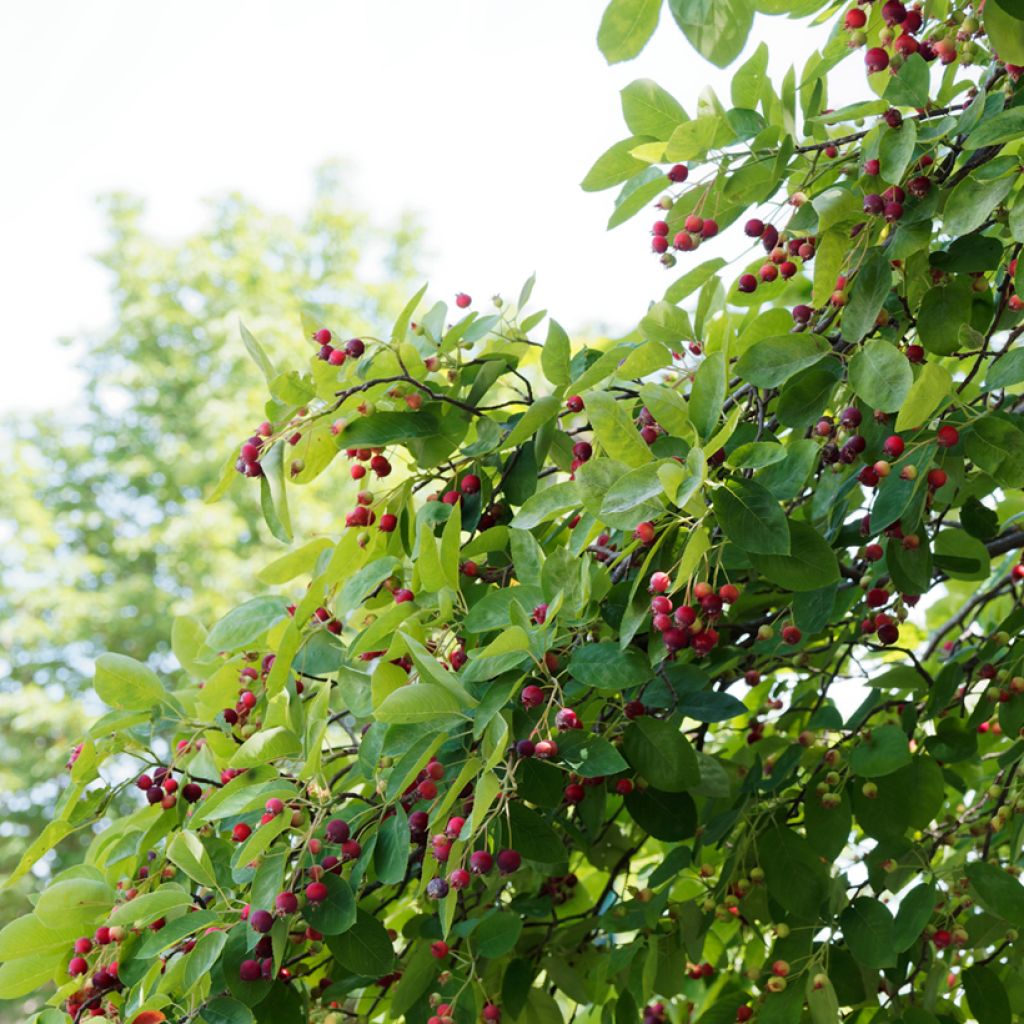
(671,678)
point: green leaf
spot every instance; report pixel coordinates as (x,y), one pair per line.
(259,357)
(751,517)
(532,836)
(1007,126)
(942,312)
(605,666)
(497,934)
(20,977)
(880,374)
(810,565)
(909,86)
(265,746)
(204,955)
(71,905)
(186,850)
(419,703)
(896,150)
(796,878)
(1006,371)
(123,682)
(246,623)
(961,556)
(666,323)
(986,996)
(633,489)
(749,80)
(589,755)
(547,504)
(361,584)
(692,139)
(998,892)
(1005,32)
(660,753)
(626,25)
(636,195)
(299,562)
(649,110)
(693,279)
(336,914)
(915,911)
(380,429)
(934,383)
(717,29)
(709,706)
(868,292)
(707,394)
(225,1010)
(274,495)
(398,332)
(670,817)
(614,165)
(822,1001)
(772,361)
(28,936)
(996,445)
(869,929)
(971,202)
(886,750)
(615,430)
(365,948)
(555,355)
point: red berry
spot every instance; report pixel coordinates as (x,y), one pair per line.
(754,228)
(323,336)
(462,300)
(679,173)
(470,484)
(856,19)
(947,436)
(876,59)
(509,861)
(645,533)
(480,862)
(937,478)
(261,921)
(791,635)
(78,966)
(250,970)
(532,696)
(694,224)
(241,832)
(286,902)
(747,283)
(574,403)
(459,878)
(355,347)
(894,446)
(316,892)
(439,949)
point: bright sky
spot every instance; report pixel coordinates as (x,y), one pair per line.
(482,120)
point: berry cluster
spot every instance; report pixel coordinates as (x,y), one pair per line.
(686,626)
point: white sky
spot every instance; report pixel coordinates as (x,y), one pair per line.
(482,119)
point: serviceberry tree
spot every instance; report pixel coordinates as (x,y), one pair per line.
(676,678)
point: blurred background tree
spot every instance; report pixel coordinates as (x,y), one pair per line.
(102,541)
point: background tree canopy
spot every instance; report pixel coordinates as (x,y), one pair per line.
(553,721)
(108,534)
